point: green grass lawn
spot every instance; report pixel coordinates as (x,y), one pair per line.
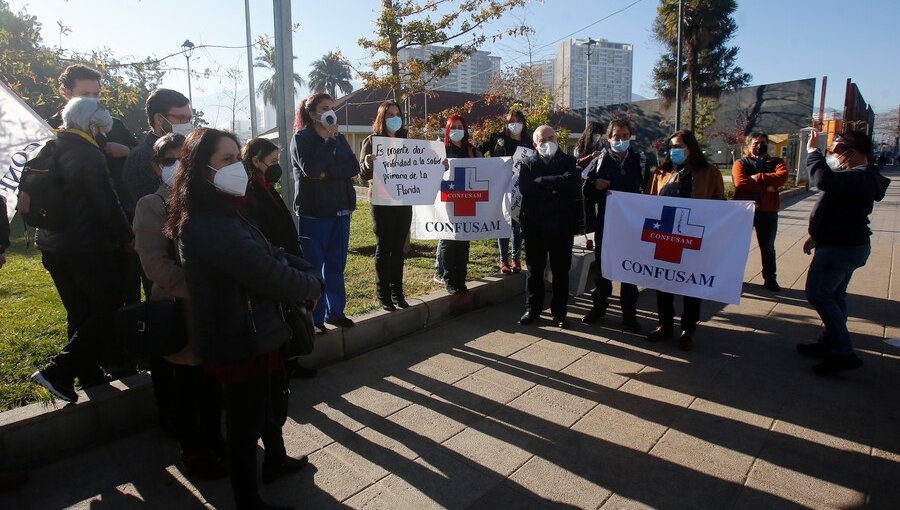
(33,321)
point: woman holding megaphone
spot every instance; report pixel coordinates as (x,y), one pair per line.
(324,165)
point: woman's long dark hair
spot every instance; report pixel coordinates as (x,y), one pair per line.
(379,127)
(464,144)
(258,148)
(585,144)
(520,115)
(696,160)
(193,192)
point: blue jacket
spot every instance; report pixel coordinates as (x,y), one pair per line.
(323,170)
(237,282)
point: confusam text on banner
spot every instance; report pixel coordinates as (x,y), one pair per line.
(470,204)
(406,171)
(690,247)
(22,134)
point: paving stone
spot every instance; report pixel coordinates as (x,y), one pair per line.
(557,485)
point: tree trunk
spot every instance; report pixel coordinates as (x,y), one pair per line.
(392,33)
(692,90)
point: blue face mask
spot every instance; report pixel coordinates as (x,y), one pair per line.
(677,156)
(620,146)
(393,124)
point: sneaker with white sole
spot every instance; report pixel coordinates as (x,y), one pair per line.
(59,389)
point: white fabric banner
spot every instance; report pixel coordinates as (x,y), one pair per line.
(470,205)
(685,246)
(406,171)
(22,134)
(515,199)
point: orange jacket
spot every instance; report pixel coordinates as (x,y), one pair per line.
(761,187)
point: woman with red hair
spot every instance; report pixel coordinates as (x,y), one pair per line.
(453,256)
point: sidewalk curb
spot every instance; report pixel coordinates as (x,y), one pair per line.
(42,432)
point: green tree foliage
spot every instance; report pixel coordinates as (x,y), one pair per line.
(267,88)
(709,65)
(329,74)
(415,24)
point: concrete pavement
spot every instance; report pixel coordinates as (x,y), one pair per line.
(482,413)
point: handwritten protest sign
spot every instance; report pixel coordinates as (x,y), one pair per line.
(406,171)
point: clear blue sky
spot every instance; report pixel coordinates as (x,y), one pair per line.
(780,40)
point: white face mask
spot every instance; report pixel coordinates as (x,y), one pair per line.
(168,174)
(328,118)
(456,135)
(231,179)
(547,149)
(514,127)
(833,162)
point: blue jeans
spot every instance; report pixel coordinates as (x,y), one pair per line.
(325,242)
(503,244)
(826,290)
(439,259)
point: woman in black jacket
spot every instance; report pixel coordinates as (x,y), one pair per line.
(389,222)
(237,282)
(324,165)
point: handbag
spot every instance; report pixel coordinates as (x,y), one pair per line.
(151,329)
(303,334)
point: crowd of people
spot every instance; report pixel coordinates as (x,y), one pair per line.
(192,216)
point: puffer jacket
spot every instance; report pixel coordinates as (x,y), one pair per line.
(97,222)
(237,282)
(323,169)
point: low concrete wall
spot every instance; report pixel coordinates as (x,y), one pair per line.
(38,433)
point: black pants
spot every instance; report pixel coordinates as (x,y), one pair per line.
(89,285)
(665,303)
(766,225)
(199,411)
(456,262)
(603,290)
(254,408)
(391,227)
(165,389)
(538,246)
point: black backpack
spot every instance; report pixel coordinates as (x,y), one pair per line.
(42,196)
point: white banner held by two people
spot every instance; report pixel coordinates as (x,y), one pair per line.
(689,247)
(471,203)
(406,171)
(22,133)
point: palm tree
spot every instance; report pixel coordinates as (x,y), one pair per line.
(267,87)
(330,73)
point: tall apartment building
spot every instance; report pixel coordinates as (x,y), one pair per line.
(545,68)
(471,76)
(611,72)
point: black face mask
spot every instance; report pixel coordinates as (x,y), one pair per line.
(100,138)
(273,173)
(761,150)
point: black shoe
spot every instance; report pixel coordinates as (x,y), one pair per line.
(772,285)
(341,322)
(686,341)
(660,333)
(298,372)
(63,390)
(272,470)
(594,315)
(527,318)
(813,350)
(11,480)
(321,329)
(632,326)
(836,364)
(561,322)
(401,302)
(204,465)
(387,306)
(95,379)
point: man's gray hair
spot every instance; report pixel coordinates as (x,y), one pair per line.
(541,128)
(85,113)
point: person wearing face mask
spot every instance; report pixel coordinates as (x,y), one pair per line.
(590,144)
(324,166)
(504,144)
(452,257)
(839,236)
(191,398)
(549,181)
(390,223)
(684,172)
(757,176)
(84,257)
(168,111)
(619,168)
(237,281)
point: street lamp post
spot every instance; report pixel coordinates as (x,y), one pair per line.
(678,68)
(188,48)
(587,81)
